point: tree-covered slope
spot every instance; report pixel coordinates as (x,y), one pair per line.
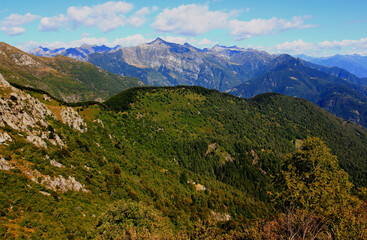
(155,163)
(270,121)
(63,77)
(292,77)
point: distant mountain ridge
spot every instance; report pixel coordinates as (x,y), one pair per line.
(78,53)
(242,72)
(294,77)
(355,63)
(161,63)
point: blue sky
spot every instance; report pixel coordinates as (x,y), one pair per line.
(313,27)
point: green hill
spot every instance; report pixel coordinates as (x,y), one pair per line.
(62,77)
(158,163)
(269,121)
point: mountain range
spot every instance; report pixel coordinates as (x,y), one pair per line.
(161,63)
(355,63)
(162,59)
(242,72)
(78,53)
(294,77)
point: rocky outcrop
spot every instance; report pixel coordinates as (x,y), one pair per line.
(221,217)
(55,183)
(54,163)
(63,184)
(99,121)
(5,165)
(70,117)
(4,137)
(24,60)
(24,113)
(3,82)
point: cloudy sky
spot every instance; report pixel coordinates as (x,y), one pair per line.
(312,27)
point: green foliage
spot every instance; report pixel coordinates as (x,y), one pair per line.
(313,181)
(154,141)
(127,219)
(316,196)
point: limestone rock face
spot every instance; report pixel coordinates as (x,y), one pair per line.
(55,183)
(70,117)
(24,113)
(24,60)
(63,184)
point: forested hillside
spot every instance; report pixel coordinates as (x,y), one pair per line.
(175,163)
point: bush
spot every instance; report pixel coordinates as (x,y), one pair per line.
(126,220)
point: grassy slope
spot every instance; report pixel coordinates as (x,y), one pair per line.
(62,77)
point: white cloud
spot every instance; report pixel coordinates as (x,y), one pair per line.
(139,17)
(17,20)
(12,25)
(58,44)
(179,40)
(346,46)
(325,48)
(196,19)
(13,30)
(256,27)
(89,41)
(107,17)
(132,40)
(143,11)
(191,20)
(296,47)
(52,23)
(206,42)
(354,44)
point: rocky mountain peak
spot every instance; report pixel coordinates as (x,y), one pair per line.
(288,60)
(158,40)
